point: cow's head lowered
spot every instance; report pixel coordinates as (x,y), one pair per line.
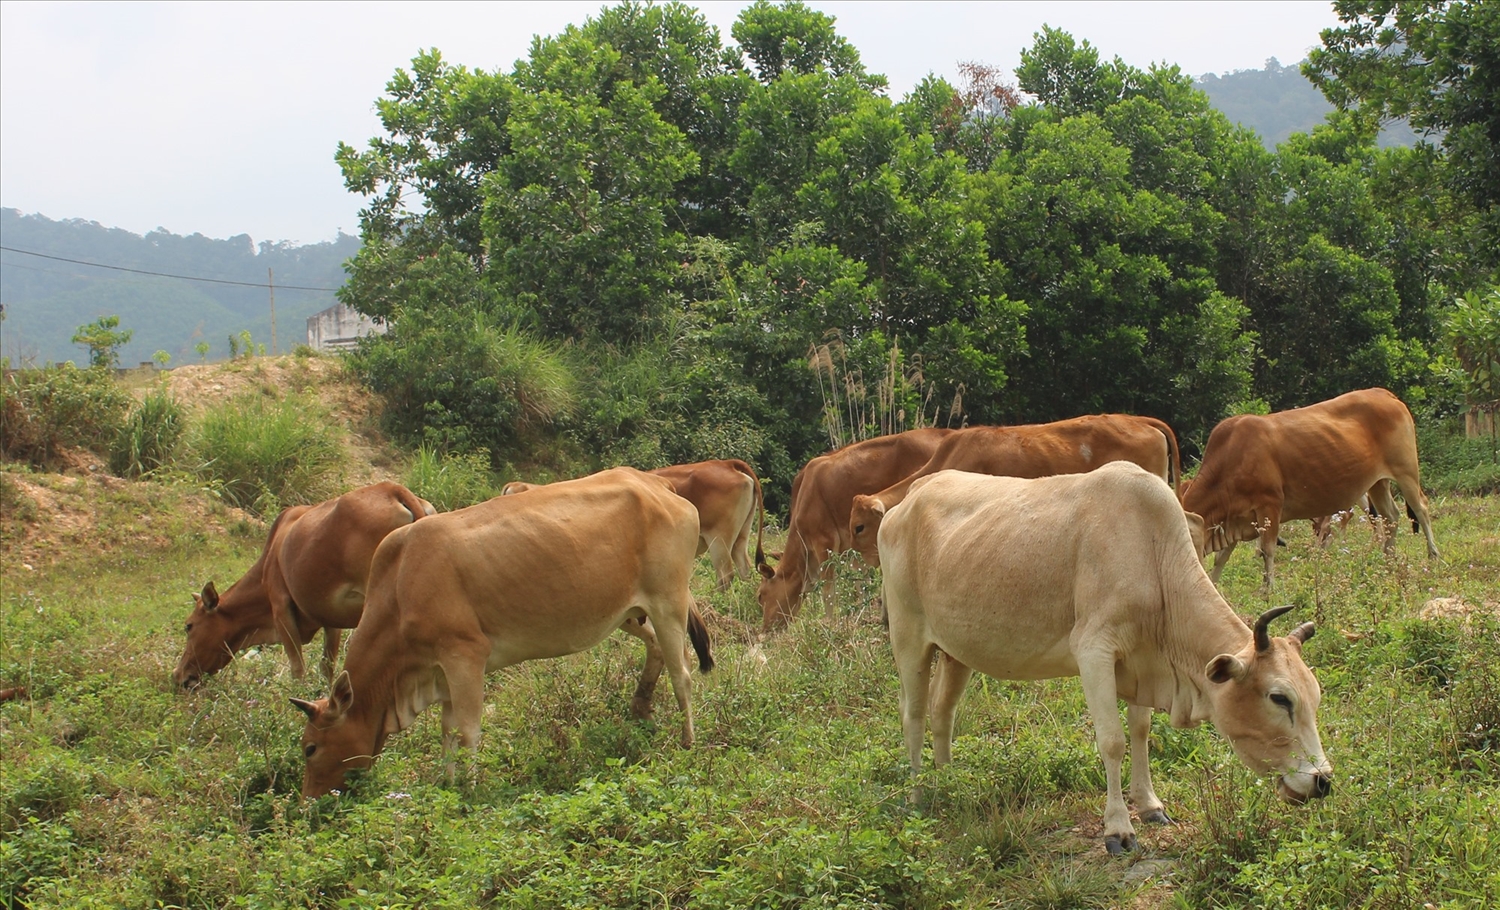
(214,635)
(1265,702)
(333,742)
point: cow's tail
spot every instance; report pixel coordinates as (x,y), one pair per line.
(1174,471)
(413,503)
(698,634)
(760,505)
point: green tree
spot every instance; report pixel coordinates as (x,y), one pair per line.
(104,338)
(1436,63)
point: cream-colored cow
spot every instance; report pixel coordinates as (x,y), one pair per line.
(516,578)
(1089,575)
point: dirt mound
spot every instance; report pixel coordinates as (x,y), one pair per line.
(48,517)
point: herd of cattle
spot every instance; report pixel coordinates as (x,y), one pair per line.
(1028,552)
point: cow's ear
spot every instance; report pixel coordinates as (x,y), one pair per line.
(1301,634)
(1197,530)
(766,570)
(1224,668)
(341,697)
(209,599)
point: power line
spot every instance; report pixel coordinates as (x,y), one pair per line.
(121,268)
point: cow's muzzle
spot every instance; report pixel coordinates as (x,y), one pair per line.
(1299,787)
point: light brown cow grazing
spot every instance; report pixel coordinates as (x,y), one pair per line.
(1034,450)
(1095,576)
(1261,471)
(310,576)
(727,495)
(516,578)
(819,515)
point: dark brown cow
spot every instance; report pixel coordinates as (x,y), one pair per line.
(1306,463)
(1074,446)
(727,495)
(517,578)
(819,515)
(310,576)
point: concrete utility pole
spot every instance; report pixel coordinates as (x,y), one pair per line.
(271,283)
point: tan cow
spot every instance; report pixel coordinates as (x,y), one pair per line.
(513,579)
(1034,450)
(1260,471)
(727,495)
(1095,576)
(819,515)
(310,576)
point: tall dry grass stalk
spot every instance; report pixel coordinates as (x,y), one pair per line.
(854,411)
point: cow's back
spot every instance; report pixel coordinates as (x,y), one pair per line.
(965,555)
(550,570)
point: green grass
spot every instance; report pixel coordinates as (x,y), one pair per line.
(263,453)
(116,791)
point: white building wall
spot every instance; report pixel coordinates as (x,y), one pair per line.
(338,328)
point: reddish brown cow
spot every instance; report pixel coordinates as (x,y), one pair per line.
(1260,471)
(727,495)
(819,514)
(310,576)
(1074,446)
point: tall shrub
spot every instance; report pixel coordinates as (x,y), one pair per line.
(262,454)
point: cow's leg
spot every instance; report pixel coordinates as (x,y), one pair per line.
(739,551)
(671,635)
(1147,804)
(331,638)
(948,683)
(913,655)
(723,562)
(463,671)
(640,702)
(1417,501)
(830,590)
(1097,672)
(1267,543)
(284,619)
(1390,518)
(1221,559)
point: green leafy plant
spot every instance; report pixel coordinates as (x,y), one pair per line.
(263,454)
(103,337)
(148,439)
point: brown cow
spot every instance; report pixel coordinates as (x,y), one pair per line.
(1073,446)
(727,495)
(310,576)
(1260,471)
(516,578)
(819,515)
(1090,575)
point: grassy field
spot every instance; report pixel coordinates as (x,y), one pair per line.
(118,792)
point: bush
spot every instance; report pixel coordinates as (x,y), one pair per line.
(45,411)
(263,455)
(450,481)
(1453,463)
(457,380)
(149,437)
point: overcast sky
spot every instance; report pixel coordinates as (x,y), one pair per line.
(222,118)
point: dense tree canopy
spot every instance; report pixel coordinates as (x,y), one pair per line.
(708,249)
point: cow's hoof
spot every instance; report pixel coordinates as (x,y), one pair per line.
(640,708)
(1156,817)
(1118,844)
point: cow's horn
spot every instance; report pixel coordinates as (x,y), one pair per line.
(306,707)
(1263,640)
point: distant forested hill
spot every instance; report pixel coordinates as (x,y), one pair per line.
(47,300)
(1278,101)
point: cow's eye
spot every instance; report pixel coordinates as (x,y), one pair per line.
(188,627)
(1281,701)
(309,749)
(859,529)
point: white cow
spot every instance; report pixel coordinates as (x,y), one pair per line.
(1090,575)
